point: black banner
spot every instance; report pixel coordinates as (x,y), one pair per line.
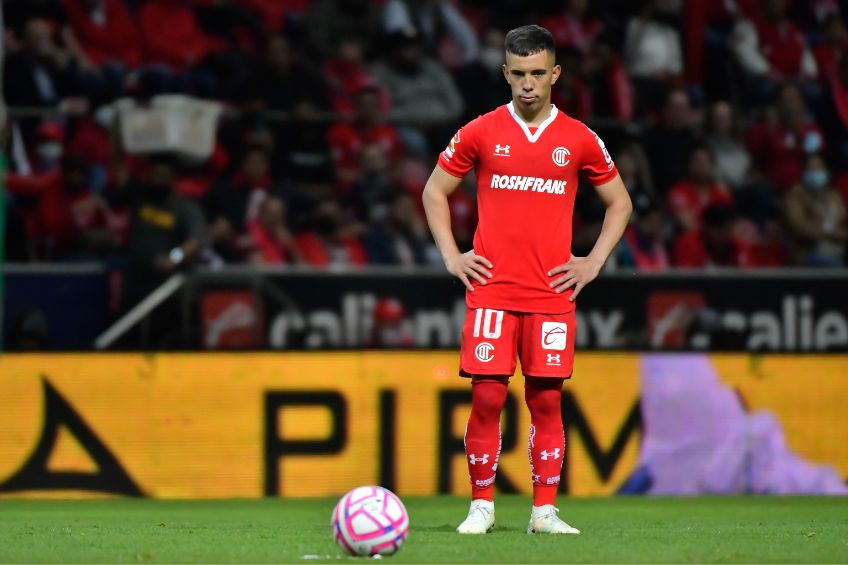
(765,311)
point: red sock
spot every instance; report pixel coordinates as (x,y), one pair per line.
(546,442)
(483,435)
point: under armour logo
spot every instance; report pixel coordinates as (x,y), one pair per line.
(550,454)
(501,149)
(474,460)
(553,359)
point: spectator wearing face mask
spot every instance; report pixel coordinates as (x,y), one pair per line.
(815,218)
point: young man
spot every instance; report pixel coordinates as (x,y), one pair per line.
(521,278)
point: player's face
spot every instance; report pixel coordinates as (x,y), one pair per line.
(531,79)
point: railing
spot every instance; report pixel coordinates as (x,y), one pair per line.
(303,308)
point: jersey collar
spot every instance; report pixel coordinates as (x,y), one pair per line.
(532,137)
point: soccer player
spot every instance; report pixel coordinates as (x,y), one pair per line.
(521,277)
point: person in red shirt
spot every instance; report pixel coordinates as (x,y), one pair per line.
(180,43)
(688,198)
(330,242)
(521,277)
(573,27)
(104,31)
(781,142)
(347,139)
(714,243)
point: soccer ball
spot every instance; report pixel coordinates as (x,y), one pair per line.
(370,521)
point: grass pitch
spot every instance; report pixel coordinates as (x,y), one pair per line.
(615,530)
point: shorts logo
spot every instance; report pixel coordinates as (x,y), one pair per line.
(553,359)
(485,352)
(561,156)
(553,335)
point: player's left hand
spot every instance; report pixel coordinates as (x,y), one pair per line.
(577,273)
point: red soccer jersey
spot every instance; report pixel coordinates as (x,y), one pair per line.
(526,184)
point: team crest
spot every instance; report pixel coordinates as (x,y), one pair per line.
(561,156)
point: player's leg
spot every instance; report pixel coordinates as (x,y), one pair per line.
(546,360)
(482,449)
(488,357)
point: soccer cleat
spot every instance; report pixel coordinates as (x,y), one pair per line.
(544,520)
(480,520)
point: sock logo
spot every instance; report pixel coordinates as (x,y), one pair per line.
(550,454)
(474,460)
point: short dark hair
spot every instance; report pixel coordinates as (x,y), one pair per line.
(529,40)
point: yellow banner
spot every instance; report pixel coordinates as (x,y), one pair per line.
(316,424)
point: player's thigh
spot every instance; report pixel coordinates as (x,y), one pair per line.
(546,344)
(489,342)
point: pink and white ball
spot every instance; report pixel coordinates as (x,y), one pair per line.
(370,521)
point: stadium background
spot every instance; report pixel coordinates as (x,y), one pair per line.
(311,331)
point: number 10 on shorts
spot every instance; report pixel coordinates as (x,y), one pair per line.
(490,321)
(554,335)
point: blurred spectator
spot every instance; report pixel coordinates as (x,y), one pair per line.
(181,43)
(573,27)
(398,235)
(233,21)
(166,232)
(714,243)
(653,53)
(834,47)
(642,247)
(330,22)
(391,328)
(780,142)
(688,199)
(570,92)
(347,139)
(833,113)
(816,219)
(669,142)
(233,204)
(733,162)
(346,74)
(635,171)
(282,69)
(273,240)
(771,49)
(62,218)
(331,242)
(374,185)
(104,32)
(39,73)
(434,22)
(423,94)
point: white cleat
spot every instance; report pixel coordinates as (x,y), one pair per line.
(544,520)
(480,520)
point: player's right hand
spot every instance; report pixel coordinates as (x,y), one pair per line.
(466,266)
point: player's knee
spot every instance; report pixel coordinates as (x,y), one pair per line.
(543,404)
(488,398)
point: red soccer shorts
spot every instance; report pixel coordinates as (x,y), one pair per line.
(492,339)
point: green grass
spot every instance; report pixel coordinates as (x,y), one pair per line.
(615,530)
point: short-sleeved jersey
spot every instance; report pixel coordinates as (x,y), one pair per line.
(526,185)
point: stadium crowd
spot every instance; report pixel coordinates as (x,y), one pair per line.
(727,119)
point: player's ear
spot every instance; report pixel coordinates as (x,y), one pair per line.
(555,73)
(505,73)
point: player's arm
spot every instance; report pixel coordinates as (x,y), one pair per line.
(580,271)
(439,187)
